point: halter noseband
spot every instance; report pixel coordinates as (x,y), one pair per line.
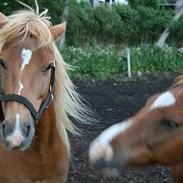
(21,99)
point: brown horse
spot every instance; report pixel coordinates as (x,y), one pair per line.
(35,145)
(153,135)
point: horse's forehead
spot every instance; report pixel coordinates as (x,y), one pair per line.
(165,99)
(18,45)
(166,105)
(15,49)
(167,102)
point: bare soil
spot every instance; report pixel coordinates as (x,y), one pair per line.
(113,101)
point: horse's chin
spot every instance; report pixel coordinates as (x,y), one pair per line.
(109,168)
(17,149)
(110,172)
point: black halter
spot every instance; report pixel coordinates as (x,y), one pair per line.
(21,99)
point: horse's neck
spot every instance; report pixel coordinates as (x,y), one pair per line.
(49,148)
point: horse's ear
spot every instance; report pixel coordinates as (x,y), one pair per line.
(58,30)
(3,19)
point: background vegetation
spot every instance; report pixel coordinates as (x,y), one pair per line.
(141,22)
(108,62)
(97,38)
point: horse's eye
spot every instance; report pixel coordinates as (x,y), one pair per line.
(48,68)
(2,64)
(169,124)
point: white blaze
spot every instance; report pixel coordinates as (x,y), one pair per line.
(20,87)
(16,138)
(17,121)
(101,146)
(164,100)
(26,56)
(110,133)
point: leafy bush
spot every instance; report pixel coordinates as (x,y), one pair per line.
(81,25)
(176,30)
(108,62)
(122,25)
(152,58)
(97,62)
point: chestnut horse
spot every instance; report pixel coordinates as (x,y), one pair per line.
(35,145)
(153,135)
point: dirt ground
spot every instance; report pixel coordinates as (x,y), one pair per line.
(113,101)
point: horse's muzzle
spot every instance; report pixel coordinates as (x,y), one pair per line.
(106,164)
(17,135)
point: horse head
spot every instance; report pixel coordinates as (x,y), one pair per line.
(27,65)
(153,135)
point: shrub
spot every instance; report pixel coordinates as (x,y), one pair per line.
(97,62)
(153,23)
(108,62)
(117,25)
(149,58)
(176,30)
(81,25)
(122,25)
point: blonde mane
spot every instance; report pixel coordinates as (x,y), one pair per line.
(178,81)
(67,102)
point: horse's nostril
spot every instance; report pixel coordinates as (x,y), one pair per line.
(3,125)
(7,128)
(26,129)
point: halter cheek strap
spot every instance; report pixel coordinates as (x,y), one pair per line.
(21,99)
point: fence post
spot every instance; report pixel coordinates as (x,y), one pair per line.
(129,63)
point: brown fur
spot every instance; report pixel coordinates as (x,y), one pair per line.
(150,139)
(45,162)
(47,159)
